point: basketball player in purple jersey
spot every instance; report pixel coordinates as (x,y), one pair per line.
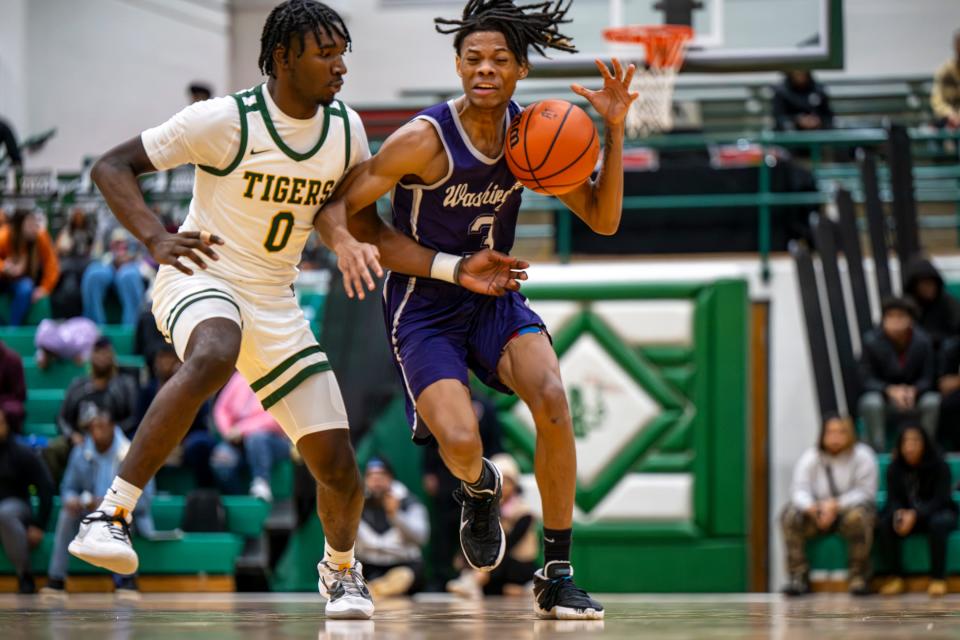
(454,193)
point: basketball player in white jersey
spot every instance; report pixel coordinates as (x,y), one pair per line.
(266,159)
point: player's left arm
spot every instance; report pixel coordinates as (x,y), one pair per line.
(599,202)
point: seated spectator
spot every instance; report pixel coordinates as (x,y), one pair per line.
(834,491)
(800,103)
(119,268)
(945,97)
(522,547)
(919,501)
(13,388)
(104,386)
(71,339)
(89,474)
(29,265)
(939,312)
(20,471)
(393,529)
(250,435)
(948,372)
(195,448)
(897,373)
(74,249)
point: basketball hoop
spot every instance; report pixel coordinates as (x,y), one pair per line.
(664,47)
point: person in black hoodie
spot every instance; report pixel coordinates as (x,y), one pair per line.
(939,312)
(897,373)
(801,103)
(20,528)
(919,501)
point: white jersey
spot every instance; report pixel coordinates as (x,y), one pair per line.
(261,177)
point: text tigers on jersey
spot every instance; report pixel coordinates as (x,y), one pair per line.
(283,189)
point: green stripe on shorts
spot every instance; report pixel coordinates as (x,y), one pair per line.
(219,296)
(278,370)
(294,382)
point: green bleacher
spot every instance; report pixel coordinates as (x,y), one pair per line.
(191,553)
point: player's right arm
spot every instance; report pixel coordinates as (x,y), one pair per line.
(414,151)
(205,133)
(115,174)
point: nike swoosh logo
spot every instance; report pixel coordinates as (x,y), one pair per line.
(254,152)
(550,540)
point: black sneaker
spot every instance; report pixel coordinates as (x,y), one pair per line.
(797,585)
(26,585)
(481,536)
(555,595)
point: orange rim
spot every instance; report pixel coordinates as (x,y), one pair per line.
(664,44)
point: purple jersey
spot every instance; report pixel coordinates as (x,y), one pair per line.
(474,206)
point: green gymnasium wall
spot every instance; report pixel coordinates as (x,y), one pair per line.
(656,376)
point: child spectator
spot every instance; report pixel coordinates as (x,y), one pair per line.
(74,248)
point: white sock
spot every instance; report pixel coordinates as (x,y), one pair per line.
(337,558)
(121,495)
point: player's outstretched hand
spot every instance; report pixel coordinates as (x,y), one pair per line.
(614,100)
(168,248)
(492,273)
(356,260)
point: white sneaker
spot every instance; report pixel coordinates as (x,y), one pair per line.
(466,586)
(104,541)
(345,591)
(260,488)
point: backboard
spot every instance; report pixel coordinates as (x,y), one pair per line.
(730,35)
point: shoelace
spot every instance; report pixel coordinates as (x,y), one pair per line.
(116,525)
(564,590)
(480,527)
(350,582)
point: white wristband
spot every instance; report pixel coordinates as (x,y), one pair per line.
(445,267)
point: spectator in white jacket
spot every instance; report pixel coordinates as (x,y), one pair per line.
(834,491)
(393,529)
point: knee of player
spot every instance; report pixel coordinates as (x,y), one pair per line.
(338,470)
(461,442)
(549,402)
(211,369)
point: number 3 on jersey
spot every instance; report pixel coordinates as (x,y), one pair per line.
(482,226)
(280,228)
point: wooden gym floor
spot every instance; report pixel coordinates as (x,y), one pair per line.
(263,616)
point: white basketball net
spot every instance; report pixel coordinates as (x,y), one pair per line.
(664,46)
(652,112)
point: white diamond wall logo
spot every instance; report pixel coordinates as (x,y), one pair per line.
(613,408)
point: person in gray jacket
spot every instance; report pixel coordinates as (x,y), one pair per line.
(393,529)
(834,491)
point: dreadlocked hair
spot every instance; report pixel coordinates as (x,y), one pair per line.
(297,18)
(524,26)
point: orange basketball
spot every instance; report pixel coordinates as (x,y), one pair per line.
(552,146)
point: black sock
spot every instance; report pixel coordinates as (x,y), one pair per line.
(486,482)
(556,545)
